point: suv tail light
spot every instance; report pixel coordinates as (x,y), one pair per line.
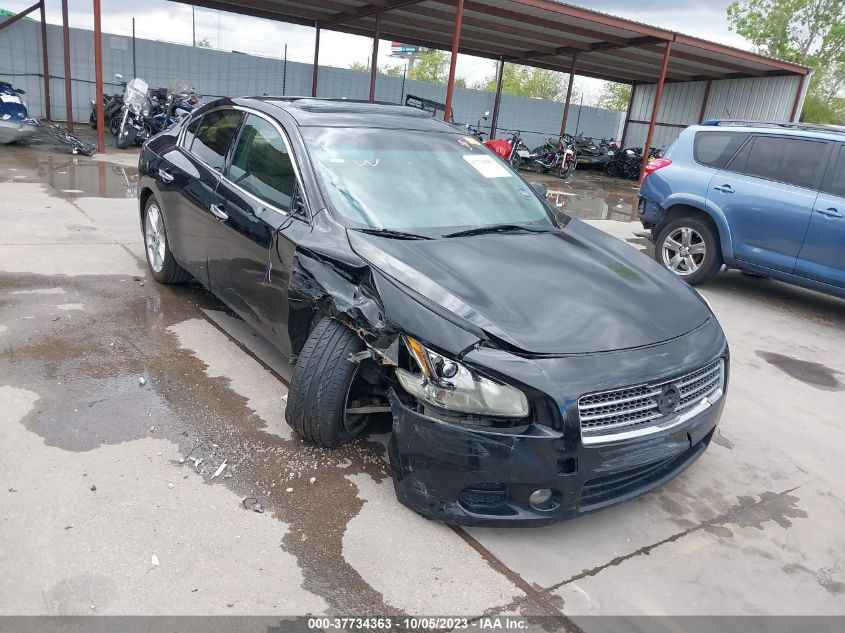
(656,163)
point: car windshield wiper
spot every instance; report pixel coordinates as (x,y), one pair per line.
(502,228)
(397,235)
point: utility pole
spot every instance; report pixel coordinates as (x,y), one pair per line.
(134,66)
(194,26)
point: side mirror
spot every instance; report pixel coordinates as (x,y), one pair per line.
(468,126)
(540,188)
(118,76)
(20,91)
(486,114)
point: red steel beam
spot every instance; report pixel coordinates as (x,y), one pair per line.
(19,16)
(98,76)
(453,60)
(795,113)
(500,72)
(367,10)
(316,67)
(46,61)
(374,62)
(658,95)
(568,94)
(68,88)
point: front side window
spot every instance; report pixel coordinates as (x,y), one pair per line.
(715,149)
(424,181)
(795,161)
(214,135)
(261,164)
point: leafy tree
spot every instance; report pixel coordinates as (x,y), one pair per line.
(384,69)
(810,32)
(615,96)
(433,66)
(203,42)
(525,81)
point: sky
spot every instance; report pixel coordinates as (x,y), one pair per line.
(171,21)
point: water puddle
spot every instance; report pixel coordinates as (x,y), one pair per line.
(813,374)
(590,195)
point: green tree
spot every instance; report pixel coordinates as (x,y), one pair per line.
(615,96)
(525,81)
(810,32)
(433,66)
(384,69)
(203,42)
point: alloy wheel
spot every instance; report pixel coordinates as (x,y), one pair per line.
(684,251)
(155,238)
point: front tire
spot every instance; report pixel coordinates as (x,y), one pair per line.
(689,248)
(322,385)
(160,258)
(126,137)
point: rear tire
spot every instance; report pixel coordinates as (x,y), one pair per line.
(160,258)
(321,384)
(689,247)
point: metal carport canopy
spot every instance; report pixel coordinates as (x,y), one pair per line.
(539,33)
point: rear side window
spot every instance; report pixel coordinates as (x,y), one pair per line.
(836,186)
(795,161)
(190,133)
(214,135)
(715,149)
(261,164)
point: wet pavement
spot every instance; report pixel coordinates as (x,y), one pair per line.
(144,424)
(590,195)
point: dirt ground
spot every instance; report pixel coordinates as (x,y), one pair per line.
(147,467)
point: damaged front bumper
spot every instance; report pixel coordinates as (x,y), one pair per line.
(475,476)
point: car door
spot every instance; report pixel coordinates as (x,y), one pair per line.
(767,194)
(822,256)
(251,251)
(188,179)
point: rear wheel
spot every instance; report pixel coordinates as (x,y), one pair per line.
(689,248)
(160,259)
(332,399)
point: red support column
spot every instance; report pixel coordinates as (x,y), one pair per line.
(658,94)
(795,114)
(316,67)
(98,76)
(46,60)
(500,72)
(627,116)
(456,44)
(568,94)
(374,62)
(68,90)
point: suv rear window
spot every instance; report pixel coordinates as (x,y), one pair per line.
(715,149)
(794,161)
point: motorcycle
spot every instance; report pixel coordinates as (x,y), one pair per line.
(180,100)
(15,125)
(112,105)
(135,127)
(627,163)
(594,154)
(556,155)
(475,130)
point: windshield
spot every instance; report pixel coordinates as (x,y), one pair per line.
(413,181)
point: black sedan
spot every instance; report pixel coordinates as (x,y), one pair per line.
(532,367)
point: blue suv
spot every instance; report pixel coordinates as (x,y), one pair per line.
(764,198)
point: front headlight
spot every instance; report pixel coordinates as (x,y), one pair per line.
(136,108)
(447,384)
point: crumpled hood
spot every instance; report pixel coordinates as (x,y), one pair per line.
(569,292)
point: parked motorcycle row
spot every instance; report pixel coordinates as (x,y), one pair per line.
(628,162)
(138,113)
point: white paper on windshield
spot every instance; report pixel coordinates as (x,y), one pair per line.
(10,99)
(487,166)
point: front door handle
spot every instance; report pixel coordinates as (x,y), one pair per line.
(165,176)
(724,188)
(831,212)
(219,213)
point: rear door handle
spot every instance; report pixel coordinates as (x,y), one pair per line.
(724,188)
(831,212)
(165,176)
(218,212)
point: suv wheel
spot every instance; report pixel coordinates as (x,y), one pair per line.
(689,248)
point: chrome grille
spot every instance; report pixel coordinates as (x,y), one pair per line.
(631,407)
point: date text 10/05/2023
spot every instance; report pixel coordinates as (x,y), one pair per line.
(415,623)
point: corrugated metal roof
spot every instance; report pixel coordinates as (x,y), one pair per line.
(540,33)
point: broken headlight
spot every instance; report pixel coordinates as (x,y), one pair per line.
(447,384)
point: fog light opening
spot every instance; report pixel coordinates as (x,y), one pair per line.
(542,499)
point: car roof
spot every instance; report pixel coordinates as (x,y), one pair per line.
(802,130)
(311,112)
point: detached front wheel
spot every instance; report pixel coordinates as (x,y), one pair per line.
(332,398)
